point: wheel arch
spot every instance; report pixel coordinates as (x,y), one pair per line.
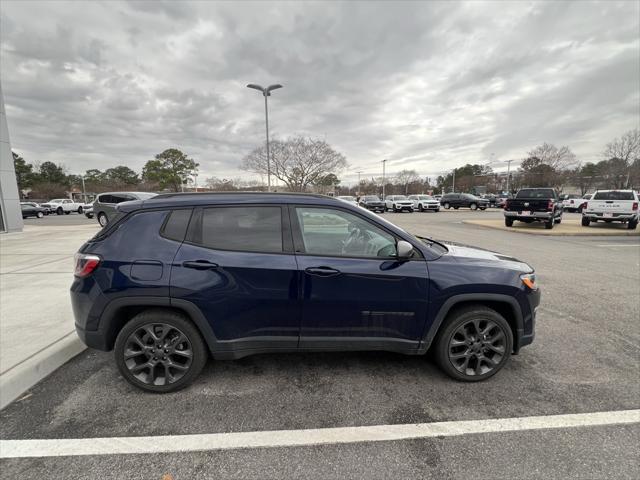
(118,312)
(505,305)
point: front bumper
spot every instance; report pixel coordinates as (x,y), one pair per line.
(429,206)
(374,208)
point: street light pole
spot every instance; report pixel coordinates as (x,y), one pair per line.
(453,185)
(266,92)
(508,174)
(358,189)
(383,172)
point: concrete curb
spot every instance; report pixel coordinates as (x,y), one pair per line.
(588,232)
(21,377)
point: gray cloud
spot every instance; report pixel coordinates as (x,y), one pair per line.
(427,85)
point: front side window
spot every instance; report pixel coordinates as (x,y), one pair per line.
(251,229)
(333,232)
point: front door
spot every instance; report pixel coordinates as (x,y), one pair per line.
(355,292)
(237,266)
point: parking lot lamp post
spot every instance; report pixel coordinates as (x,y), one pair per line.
(383,181)
(508,174)
(84,191)
(453,184)
(266,92)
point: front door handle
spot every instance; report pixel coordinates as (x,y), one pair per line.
(200,264)
(322,271)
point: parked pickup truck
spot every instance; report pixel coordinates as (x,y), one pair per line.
(63,205)
(612,206)
(534,205)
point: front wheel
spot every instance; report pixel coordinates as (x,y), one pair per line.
(59,211)
(160,351)
(508,222)
(39,214)
(420,208)
(473,344)
(447,206)
(102,219)
(585,221)
(80,210)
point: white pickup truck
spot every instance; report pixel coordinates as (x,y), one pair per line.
(612,206)
(63,205)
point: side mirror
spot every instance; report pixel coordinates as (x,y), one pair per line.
(404,249)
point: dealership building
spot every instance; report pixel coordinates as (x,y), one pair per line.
(10,213)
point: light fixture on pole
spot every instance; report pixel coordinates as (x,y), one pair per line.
(266,92)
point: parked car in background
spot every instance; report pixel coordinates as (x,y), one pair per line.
(179,278)
(534,205)
(437,197)
(372,202)
(424,203)
(493,199)
(104,207)
(88,211)
(45,210)
(612,206)
(501,200)
(398,203)
(348,199)
(572,203)
(466,200)
(63,205)
(32,210)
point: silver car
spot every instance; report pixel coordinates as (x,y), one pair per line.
(104,207)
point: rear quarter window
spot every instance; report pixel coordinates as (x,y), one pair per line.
(175,227)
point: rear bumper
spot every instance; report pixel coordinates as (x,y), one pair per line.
(534,215)
(616,217)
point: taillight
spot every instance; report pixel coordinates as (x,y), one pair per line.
(635,205)
(571,202)
(550,205)
(85,264)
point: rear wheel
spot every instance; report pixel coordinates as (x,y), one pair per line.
(632,224)
(508,221)
(59,211)
(473,206)
(102,219)
(473,344)
(160,351)
(39,214)
(585,221)
(446,206)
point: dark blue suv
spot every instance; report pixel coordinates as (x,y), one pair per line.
(177,277)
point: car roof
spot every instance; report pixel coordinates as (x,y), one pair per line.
(222,198)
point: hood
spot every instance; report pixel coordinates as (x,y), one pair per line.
(486,257)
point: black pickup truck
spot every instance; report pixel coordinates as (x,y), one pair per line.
(534,205)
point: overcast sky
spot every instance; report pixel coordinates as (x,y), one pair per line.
(428,85)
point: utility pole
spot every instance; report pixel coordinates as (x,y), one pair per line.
(358,189)
(84,192)
(508,175)
(383,180)
(453,185)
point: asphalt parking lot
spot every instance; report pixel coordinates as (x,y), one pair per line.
(585,359)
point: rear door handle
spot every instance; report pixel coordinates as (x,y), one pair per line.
(322,271)
(200,264)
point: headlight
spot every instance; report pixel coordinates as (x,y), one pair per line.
(529,279)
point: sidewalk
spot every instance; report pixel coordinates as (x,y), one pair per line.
(36,323)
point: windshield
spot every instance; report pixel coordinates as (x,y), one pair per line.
(371,198)
(351,199)
(399,197)
(543,193)
(613,195)
(424,197)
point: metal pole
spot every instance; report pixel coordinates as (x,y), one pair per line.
(453,185)
(383,181)
(266,116)
(84,192)
(508,174)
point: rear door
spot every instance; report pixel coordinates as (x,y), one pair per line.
(237,266)
(355,293)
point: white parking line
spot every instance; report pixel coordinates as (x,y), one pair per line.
(618,245)
(291,438)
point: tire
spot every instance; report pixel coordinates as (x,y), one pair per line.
(585,221)
(508,222)
(102,219)
(80,210)
(165,327)
(483,208)
(420,208)
(484,357)
(632,224)
(473,206)
(39,214)
(67,212)
(59,211)
(549,224)
(559,221)
(446,206)
(456,208)
(437,210)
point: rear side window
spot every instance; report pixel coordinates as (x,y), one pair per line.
(613,196)
(249,229)
(536,193)
(105,199)
(175,228)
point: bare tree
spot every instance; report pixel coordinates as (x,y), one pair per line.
(405,178)
(557,158)
(298,161)
(624,151)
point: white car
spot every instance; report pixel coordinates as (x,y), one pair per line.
(63,205)
(572,203)
(348,199)
(425,203)
(398,203)
(612,206)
